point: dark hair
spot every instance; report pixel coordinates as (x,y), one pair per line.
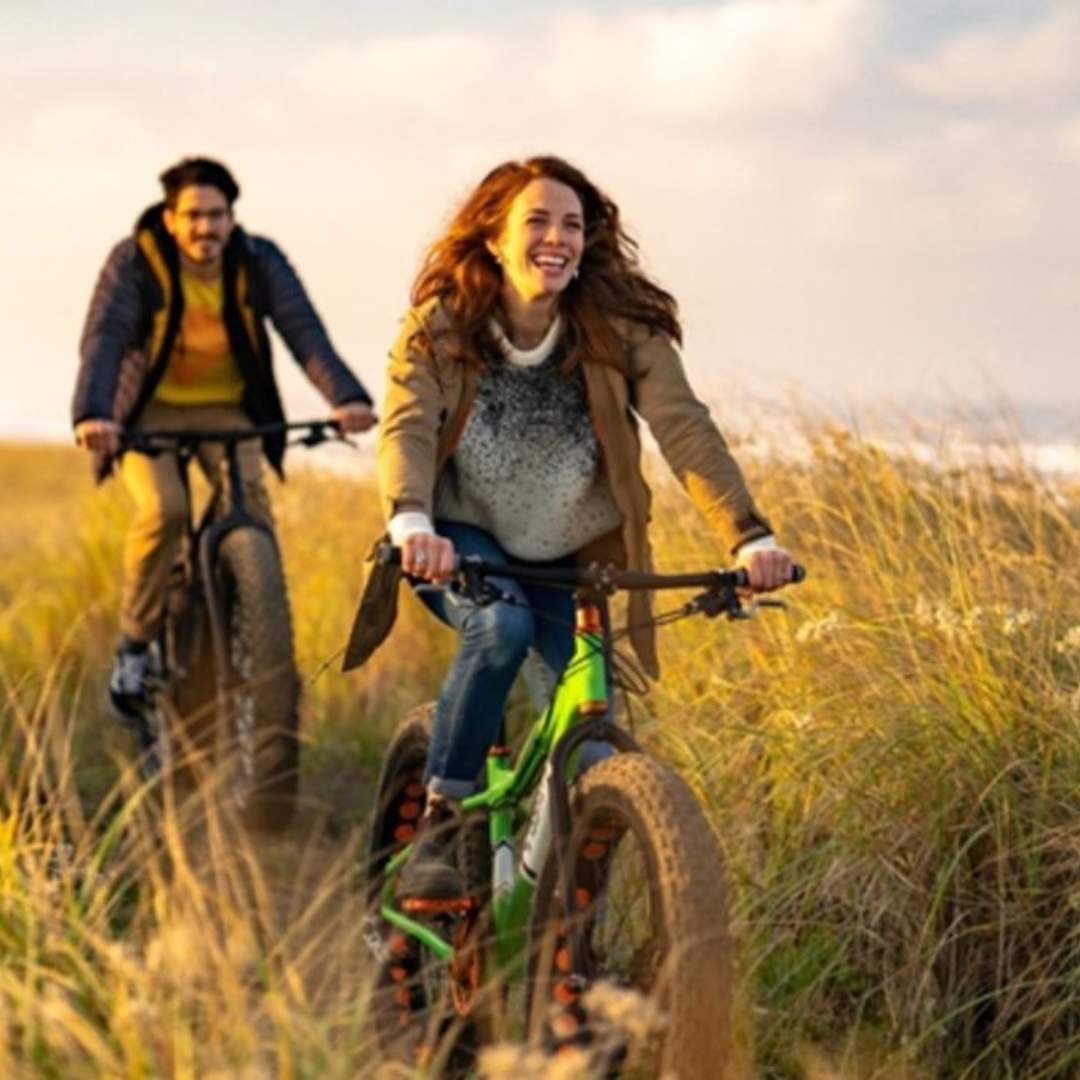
(459,269)
(202,171)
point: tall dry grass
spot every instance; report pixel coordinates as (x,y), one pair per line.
(891,768)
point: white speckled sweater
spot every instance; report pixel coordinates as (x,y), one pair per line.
(527,468)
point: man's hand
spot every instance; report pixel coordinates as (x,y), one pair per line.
(767,567)
(354,417)
(102,436)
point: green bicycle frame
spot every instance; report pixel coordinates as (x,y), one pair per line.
(582,693)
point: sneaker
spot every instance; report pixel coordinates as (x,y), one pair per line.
(431,871)
(128,684)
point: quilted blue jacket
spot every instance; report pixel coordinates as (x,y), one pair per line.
(135,313)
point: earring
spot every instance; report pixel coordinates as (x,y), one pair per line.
(577,272)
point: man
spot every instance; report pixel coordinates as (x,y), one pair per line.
(176,338)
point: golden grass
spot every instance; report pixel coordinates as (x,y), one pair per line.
(891,768)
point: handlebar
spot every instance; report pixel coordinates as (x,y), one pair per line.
(605,579)
(157,439)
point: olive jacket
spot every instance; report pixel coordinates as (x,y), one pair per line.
(429,395)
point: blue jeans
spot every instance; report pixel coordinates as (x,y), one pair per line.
(493,642)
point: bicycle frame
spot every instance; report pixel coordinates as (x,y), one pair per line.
(580,710)
(206,536)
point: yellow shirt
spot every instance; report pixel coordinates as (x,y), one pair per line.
(202,369)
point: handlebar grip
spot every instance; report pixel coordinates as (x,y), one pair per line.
(742,577)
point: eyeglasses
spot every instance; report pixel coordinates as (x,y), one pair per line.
(214,217)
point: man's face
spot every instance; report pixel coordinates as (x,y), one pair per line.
(201,223)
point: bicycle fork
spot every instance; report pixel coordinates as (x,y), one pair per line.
(588,720)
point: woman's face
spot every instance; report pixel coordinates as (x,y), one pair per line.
(542,239)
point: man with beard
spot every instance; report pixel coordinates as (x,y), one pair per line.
(176,338)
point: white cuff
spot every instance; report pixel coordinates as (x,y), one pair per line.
(406,523)
(762,543)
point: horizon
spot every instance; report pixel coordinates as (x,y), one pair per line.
(862,203)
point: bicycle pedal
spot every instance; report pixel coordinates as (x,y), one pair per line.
(423,905)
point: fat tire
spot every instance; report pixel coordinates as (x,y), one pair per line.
(688,907)
(261,749)
(452,1042)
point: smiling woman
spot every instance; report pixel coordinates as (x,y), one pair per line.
(540,245)
(510,432)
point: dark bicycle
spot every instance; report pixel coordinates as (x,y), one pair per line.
(618,882)
(223,688)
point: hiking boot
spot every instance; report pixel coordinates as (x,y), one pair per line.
(129,683)
(431,871)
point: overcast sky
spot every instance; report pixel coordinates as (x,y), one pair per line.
(851,199)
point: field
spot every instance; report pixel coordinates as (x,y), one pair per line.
(891,768)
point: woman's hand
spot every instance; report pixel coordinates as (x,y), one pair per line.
(427,556)
(767,567)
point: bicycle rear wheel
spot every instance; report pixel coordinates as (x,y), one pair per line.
(650,908)
(260,750)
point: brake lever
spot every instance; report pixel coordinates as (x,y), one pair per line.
(713,603)
(323,433)
(751,607)
(315,436)
(468,582)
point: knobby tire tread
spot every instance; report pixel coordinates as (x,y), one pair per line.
(696,982)
(259,612)
(403,762)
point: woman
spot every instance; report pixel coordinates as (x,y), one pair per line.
(509,432)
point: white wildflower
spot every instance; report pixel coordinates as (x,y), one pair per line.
(924,612)
(947,622)
(1012,622)
(507,1062)
(628,1011)
(940,617)
(816,629)
(1070,643)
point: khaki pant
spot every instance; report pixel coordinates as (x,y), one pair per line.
(161,506)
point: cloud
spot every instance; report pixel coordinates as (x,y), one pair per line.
(1002,64)
(814,227)
(438,76)
(745,58)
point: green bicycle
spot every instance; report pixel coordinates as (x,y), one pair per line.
(618,881)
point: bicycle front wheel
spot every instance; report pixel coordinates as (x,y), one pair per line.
(653,995)
(260,734)
(425,1010)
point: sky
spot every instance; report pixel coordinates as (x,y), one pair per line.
(854,201)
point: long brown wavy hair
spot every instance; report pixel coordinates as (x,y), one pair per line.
(459,269)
